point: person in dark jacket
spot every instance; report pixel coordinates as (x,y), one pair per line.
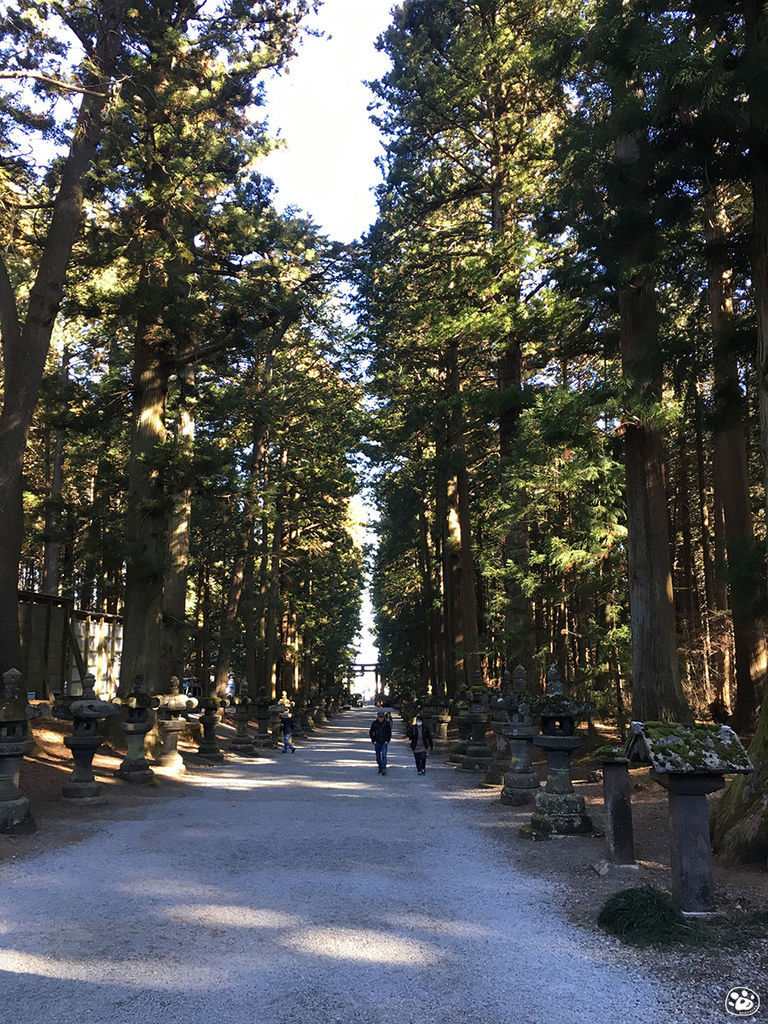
(286,724)
(381,733)
(421,741)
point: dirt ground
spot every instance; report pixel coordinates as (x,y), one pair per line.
(569,864)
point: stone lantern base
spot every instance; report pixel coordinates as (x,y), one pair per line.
(135,771)
(519,788)
(16,818)
(559,814)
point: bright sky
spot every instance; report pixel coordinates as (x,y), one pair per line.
(320,110)
(327,168)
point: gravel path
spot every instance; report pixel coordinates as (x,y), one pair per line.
(302,889)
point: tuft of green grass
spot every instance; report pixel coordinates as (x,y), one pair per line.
(643,917)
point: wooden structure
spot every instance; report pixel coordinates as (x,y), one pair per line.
(60,642)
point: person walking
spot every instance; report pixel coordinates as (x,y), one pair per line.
(421,741)
(381,733)
(286,724)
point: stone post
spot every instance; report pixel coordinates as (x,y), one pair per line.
(86,714)
(139,718)
(171,719)
(693,888)
(15,742)
(618,809)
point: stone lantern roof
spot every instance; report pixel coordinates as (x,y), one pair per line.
(673,748)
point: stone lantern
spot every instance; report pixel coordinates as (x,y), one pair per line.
(15,742)
(210,710)
(81,706)
(500,759)
(559,810)
(441,718)
(460,715)
(241,711)
(263,717)
(521,782)
(318,710)
(689,761)
(139,719)
(477,756)
(171,719)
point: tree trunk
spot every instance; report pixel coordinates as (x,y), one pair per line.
(146,517)
(245,546)
(462,527)
(656,690)
(53,524)
(175,626)
(732,476)
(756,55)
(740,822)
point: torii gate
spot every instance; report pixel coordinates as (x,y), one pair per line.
(360,668)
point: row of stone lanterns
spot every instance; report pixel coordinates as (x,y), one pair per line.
(688,761)
(168,712)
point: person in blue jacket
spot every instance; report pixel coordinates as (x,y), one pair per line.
(286,724)
(381,733)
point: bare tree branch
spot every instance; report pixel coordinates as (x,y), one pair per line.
(55,82)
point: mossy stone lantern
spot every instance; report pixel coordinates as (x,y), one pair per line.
(477,756)
(171,720)
(86,712)
(460,715)
(209,713)
(560,811)
(241,711)
(139,719)
(689,761)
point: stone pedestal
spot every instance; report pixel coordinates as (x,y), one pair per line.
(502,753)
(263,718)
(559,810)
(477,756)
(521,783)
(464,727)
(171,720)
(693,889)
(86,715)
(307,721)
(15,743)
(241,712)
(138,721)
(209,716)
(618,810)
